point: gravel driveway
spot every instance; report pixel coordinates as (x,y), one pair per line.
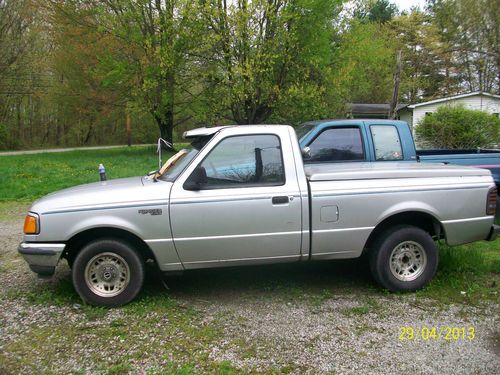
(305,318)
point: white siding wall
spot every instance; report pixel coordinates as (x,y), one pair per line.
(481,102)
(405,115)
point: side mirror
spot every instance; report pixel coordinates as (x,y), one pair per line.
(197,179)
(306,152)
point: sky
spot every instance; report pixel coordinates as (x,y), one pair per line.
(407,4)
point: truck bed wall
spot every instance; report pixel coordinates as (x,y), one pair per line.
(344,213)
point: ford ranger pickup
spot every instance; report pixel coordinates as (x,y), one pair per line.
(241,195)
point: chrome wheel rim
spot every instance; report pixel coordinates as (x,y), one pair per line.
(107,274)
(408,261)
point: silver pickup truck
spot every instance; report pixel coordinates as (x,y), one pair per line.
(240,195)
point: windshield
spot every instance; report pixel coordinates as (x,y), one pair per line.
(182,159)
(302,130)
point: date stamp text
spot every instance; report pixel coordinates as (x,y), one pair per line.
(437,333)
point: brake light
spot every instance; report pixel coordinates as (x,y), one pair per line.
(491,202)
(31,225)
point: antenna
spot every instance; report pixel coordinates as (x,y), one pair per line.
(158,149)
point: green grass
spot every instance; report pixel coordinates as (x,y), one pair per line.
(28,177)
(468,274)
(369,305)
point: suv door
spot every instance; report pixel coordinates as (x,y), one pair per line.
(247,210)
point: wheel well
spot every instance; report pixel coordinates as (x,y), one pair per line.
(417,219)
(75,243)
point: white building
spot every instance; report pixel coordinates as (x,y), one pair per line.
(483,101)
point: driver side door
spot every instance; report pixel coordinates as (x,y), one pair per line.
(246,211)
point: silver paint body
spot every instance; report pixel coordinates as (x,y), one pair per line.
(241,226)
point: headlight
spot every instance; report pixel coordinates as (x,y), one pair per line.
(31,224)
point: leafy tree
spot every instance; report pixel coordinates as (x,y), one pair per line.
(470,32)
(422,73)
(265,55)
(364,64)
(380,11)
(21,78)
(150,42)
(457,127)
(79,92)
(15,21)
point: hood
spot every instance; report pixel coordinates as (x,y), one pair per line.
(104,194)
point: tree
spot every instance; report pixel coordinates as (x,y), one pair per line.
(80,91)
(364,63)
(15,19)
(380,11)
(20,79)
(265,53)
(470,30)
(457,127)
(149,66)
(422,73)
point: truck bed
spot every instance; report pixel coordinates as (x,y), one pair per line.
(480,158)
(346,198)
(387,170)
(458,152)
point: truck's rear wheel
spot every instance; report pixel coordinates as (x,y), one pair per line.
(404,258)
(108,273)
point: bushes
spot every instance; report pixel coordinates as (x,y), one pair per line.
(457,127)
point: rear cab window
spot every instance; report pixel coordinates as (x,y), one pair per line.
(386,142)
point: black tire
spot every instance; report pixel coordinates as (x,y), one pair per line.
(106,260)
(408,246)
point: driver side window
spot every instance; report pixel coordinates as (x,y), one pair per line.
(242,161)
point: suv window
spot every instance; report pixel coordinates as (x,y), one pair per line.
(337,144)
(241,161)
(386,142)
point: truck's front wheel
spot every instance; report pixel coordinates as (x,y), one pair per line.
(404,258)
(108,273)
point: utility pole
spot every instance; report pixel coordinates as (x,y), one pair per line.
(395,93)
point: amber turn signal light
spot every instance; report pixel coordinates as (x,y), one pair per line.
(31,224)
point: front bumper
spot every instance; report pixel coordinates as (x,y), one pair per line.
(495,230)
(42,257)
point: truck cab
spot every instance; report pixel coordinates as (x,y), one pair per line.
(332,141)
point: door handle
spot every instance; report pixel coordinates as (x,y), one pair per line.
(280,200)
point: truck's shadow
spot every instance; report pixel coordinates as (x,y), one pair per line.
(289,281)
(339,276)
